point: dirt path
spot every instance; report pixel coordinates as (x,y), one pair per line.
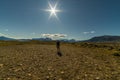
(40,62)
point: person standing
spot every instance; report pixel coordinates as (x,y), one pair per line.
(58,48)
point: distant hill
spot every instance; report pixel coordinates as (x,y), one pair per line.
(39,39)
(6,38)
(105,38)
(42,39)
(68,40)
(49,39)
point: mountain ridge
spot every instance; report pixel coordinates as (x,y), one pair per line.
(104,38)
(6,38)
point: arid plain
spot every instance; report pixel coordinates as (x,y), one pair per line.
(40,62)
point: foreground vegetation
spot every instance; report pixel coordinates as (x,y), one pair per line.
(36,60)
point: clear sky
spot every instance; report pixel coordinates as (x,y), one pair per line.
(79,19)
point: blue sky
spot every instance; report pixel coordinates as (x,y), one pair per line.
(79,19)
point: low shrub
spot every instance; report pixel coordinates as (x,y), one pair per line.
(117,54)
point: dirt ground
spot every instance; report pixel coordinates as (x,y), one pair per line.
(40,62)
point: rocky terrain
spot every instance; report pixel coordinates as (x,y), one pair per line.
(40,62)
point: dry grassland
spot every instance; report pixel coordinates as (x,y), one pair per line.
(40,62)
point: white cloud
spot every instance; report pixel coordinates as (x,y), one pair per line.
(91,32)
(85,32)
(2,34)
(33,33)
(54,35)
(6,29)
(5,35)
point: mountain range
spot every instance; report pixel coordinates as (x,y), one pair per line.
(5,38)
(105,38)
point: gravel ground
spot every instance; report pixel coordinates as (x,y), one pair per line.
(40,62)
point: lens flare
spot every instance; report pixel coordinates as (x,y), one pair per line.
(53,10)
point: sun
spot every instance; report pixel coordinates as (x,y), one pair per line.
(53,10)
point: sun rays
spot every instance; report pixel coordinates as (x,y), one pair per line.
(53,10)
